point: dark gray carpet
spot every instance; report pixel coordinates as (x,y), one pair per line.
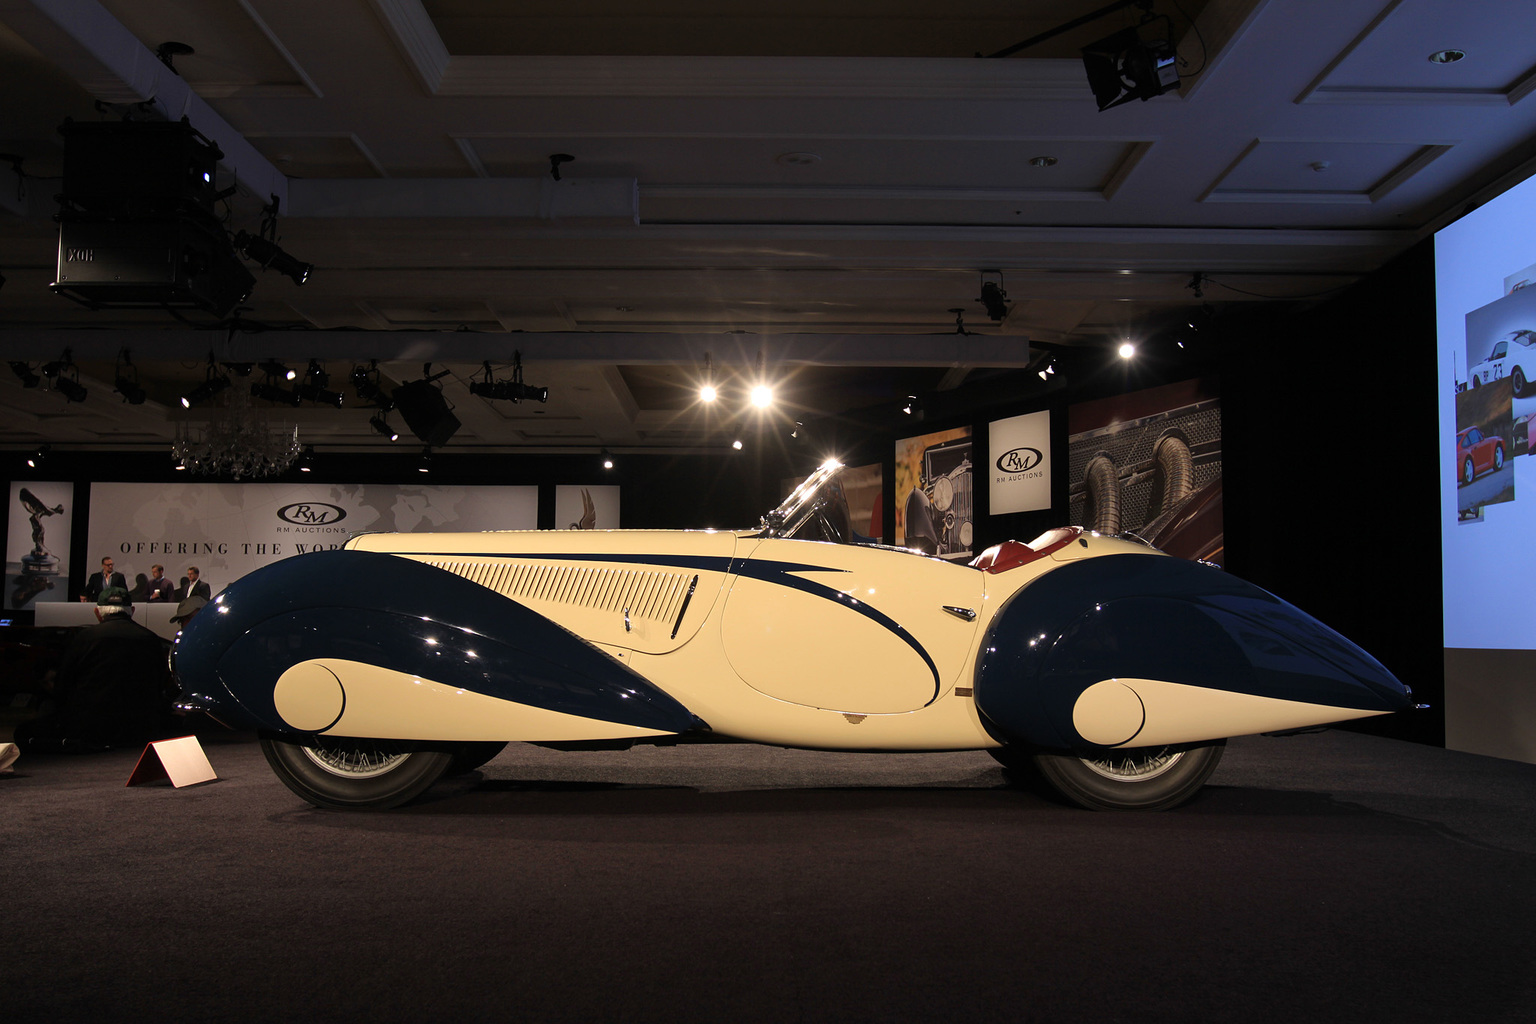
(1324,877)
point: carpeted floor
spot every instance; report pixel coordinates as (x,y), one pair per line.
(1322,877)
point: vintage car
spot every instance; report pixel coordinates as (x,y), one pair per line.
(1098,666)
(1510,357)
(1477,453)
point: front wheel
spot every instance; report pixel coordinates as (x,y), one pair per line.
(1145,778)
(356,774)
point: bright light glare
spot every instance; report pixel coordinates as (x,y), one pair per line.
(736,445)
(1127,350)
(707,393)
(762,396)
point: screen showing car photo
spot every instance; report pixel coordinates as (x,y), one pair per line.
(1485,264)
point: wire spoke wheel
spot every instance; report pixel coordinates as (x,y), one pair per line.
(1145,778)
(356,774)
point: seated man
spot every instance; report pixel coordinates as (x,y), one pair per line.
(112,686)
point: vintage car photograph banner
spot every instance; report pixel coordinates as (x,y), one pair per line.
(227,530)
(933,493)
(37,543)
(1019,463)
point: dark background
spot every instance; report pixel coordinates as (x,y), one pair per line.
(1330,491)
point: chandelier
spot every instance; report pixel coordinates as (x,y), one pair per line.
(238,442)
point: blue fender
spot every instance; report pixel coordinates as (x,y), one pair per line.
(400,614)
(1156,617)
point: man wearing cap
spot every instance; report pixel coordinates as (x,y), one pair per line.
(99,581)
(186,609)
(111,688)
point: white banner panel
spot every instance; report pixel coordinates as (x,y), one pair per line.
(1020,463)
(226,530)
(37,543)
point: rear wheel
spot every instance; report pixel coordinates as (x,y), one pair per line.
(356,774)
(1145,778)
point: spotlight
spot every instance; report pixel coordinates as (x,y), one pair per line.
(1047,371)
(795,433)
(205,391)
(912,406)
(312,392)
(707,393)
(513,390)
(1126,350)
(273,368)
(425,409)
(607,459)
(1133,64)
(736,444)
(24,374)
(762,396)
(307,459)
(39,454)
(508,390)
(71,389)
(424,465)
(270,392)
(365,381)
(131,392)
(379,423)
(994,298)
(270,256)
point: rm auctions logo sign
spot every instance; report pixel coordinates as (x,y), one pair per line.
(1019,460)
(311,513)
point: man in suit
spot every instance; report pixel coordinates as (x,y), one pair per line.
(192,586)
(100,581)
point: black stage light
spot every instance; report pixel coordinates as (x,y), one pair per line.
(426,412)
(70,388)
(273,368)
(24,373)
(130,390)
(1132,64)
(38,456)
(311,392)
(508,390)
(307,459)
(270,392)
(205,391)
(365,381)
(240,369)
(380,424)
(995,299)
(425,463)
(270,256)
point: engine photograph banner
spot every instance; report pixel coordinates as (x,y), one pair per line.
(1019,463)
(227,530)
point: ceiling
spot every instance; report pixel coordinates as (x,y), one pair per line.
(800,191)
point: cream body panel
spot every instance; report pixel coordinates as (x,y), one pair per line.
(861,637)
(1153,712)
(638,605)
(701,678)
(365,700)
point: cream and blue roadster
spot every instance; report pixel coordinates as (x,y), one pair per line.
(1098,666)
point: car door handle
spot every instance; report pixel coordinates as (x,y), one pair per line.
(968,614)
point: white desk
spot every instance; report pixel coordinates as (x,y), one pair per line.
(156,616)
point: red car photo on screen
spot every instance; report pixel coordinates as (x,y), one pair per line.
(1477,453)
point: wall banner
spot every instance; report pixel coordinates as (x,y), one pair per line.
(37,543)
(1019,463)
(226,530)
(933,493)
